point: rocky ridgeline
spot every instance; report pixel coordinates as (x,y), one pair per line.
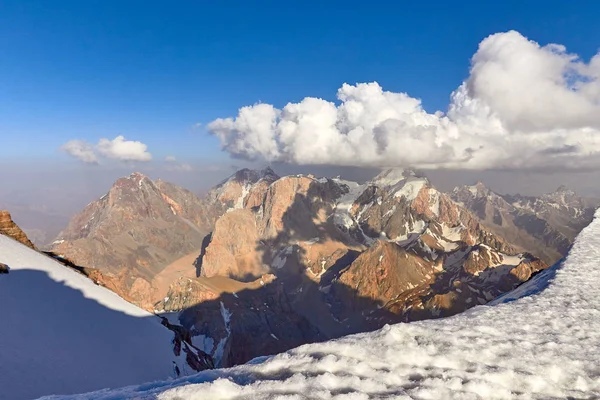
(545,225)
(9,228)
(346,258)
(264,263)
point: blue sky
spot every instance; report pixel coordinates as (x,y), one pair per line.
(150,70)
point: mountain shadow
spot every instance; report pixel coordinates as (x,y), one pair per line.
(55,340)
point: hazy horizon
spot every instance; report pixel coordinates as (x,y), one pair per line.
(46,198)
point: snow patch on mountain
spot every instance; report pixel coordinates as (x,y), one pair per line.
(411,188)
(341,216)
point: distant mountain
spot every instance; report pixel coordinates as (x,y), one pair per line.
(545,225)
(243,189)
(68,335)
(264,263)
(134,231)
(320,258)
(132,234)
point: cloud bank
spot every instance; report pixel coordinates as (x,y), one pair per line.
(119,149)
(523,106)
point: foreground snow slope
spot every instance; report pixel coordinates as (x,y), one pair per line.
(542,346)
(60,333)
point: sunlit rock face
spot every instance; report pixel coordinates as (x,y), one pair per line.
(340,257)
(133,232)
(10,229)
(299,259)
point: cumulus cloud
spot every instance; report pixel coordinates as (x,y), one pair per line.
(81,150)
(523,105)
(118,148)
(125,150)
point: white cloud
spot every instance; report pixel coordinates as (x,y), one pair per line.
(81,150)
(119,148)
(522,106)
(170,159)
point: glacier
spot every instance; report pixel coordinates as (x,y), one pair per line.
(541,341)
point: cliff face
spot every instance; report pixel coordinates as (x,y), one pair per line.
(9,228)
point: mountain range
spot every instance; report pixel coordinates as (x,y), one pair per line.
(265,263)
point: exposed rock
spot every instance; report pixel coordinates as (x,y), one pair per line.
(232,251)
(134,231)
(4,269)
(244,189)
(348,257)
(197,359)
(10,229)
(297,259)
(545,226)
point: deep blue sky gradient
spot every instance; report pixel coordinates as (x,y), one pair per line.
(150,70)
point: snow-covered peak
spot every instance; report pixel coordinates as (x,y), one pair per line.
(477,190)
(392,176)
(410,188)
(404,183)
(539,342)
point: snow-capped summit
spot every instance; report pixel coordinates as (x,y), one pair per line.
(393,176)
(539,342)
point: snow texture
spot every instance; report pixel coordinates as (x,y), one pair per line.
(542,341)
(218,353)
(410,190)
(62,334)
(341,216)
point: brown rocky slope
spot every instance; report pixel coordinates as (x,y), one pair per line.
(9,228)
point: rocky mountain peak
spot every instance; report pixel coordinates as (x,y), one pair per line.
(243,189)
(476,191)
(268,173)
(250,176)
(137,229)
(134,181)
(10,229)
(393,176)
(562,189)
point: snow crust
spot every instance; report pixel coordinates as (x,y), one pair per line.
(411,188)
(218,354)
(341,216)
(541,341)
(61,334)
